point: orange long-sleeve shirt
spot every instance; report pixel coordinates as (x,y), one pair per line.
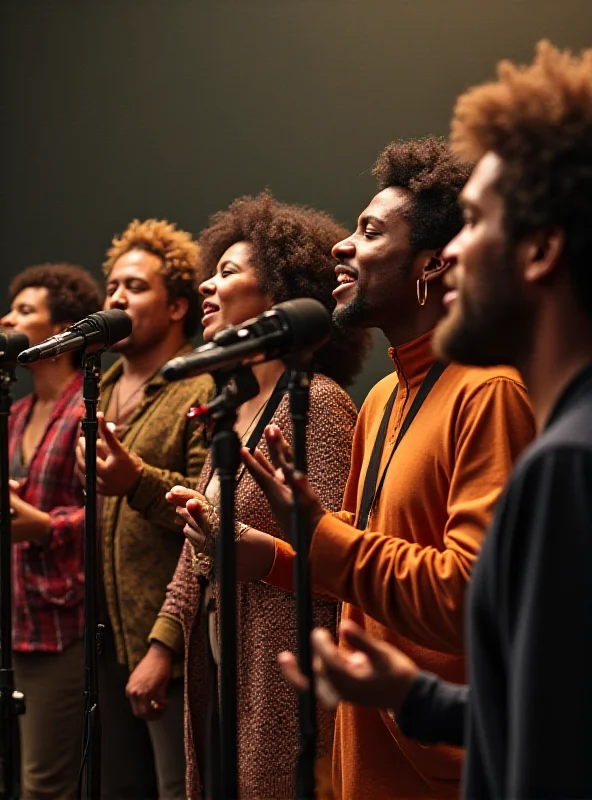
(404,579)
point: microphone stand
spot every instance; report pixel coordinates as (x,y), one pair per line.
(234,388)
(93,632)
(299,387)
(11,702)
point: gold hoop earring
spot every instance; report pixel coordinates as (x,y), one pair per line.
(422,291)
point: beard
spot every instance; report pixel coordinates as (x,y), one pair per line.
(355,314)
(493,326)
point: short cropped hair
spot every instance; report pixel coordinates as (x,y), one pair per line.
(538,120)
(292,258)
(434,177)
(179,254)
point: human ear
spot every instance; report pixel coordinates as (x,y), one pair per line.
(541,254)
(178,308)
(435,266)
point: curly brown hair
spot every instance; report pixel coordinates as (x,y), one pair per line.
(72,292)
(538,120)
(180,260)
(292,256)
(434,178)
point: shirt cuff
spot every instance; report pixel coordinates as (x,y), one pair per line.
(169,632)
(149,485)
(281,574)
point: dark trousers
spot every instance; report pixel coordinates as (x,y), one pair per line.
(140,760)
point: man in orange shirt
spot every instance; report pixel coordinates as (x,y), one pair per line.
(521,293)
(399,554)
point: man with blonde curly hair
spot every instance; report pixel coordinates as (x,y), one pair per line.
(147,444)
(521,293)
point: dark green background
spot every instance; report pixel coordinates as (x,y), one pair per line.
(171,108)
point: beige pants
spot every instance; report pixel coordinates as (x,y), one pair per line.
(51,728)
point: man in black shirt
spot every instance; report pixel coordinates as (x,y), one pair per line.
(521,293)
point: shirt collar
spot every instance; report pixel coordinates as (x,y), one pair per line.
(156,381)
(578,387)
(413,359)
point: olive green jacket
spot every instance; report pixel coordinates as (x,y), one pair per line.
(141,543)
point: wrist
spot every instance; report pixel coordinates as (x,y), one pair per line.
(160,651)
(136,477)
(41,528)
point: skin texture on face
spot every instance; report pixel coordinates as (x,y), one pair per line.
(489,312)
(232,295)
(374,269)
(30,315)
(135,285)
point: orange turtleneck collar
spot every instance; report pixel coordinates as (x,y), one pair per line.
(413,359)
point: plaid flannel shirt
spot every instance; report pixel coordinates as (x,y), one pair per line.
(48,579)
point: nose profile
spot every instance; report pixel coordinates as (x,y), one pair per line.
(451,251)
(343,249)
(7,321)
(206,288)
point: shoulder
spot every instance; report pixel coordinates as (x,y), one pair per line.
(471,380)
(325,390)
(199,389)
(328,401)
(379,394)
(20,405)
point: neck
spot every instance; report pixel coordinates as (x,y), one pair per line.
(401,329)
(50,378)
(144,365)
(562,346)
(267,375)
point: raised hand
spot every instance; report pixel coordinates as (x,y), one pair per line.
(118,469)
(370,673)
(281,483)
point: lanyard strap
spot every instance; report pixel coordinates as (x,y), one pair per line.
(371,490)
(280,390)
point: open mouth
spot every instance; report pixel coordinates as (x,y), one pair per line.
(347,278)
(208,309)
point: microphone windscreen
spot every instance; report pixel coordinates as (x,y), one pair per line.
(308,320)
(11,344)
(115,324)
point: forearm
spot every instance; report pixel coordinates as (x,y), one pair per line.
(418,591)
(434,711)
(168,631)
(281,571)
(148,496)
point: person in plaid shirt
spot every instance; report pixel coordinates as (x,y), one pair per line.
(47,532)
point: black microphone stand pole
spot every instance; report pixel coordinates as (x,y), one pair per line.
(91,757)
(241,385)
(11,702)
(299,388)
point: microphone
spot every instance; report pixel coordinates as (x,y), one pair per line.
(11,344)
(301,325)
(103,329)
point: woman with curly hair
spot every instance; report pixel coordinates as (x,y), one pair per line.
(47,532)
(257,253)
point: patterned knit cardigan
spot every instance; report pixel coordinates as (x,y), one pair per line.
(267,705)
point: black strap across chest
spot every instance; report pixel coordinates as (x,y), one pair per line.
(373,487)
(280,390)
